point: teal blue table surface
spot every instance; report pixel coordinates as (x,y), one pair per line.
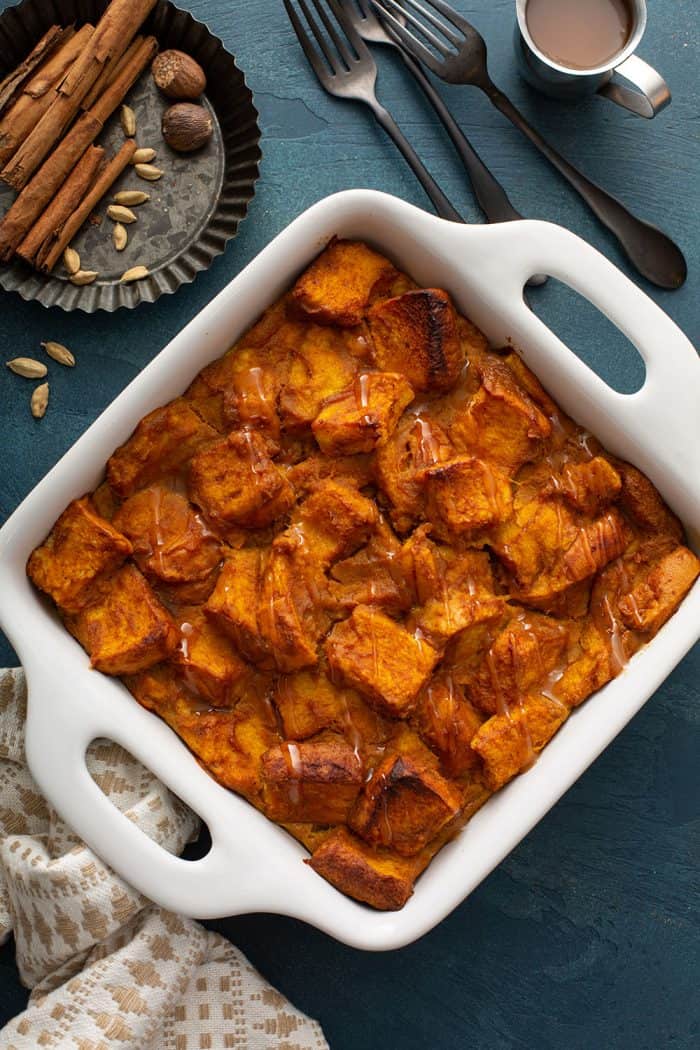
(586,937)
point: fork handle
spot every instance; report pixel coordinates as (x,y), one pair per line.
(440,202)
(649,249)
(492,198)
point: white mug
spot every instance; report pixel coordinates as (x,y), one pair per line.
(645,94)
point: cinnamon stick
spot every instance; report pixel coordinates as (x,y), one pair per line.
(51,253)
(113,34)
(58,62)
(38,93)
(126,77)
(13,81)
(35,197)
(110,73)
(75,188)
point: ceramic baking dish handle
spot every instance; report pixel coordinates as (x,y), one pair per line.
(236,876)
(667,405)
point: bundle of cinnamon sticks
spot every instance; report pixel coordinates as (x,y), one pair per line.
(52,108)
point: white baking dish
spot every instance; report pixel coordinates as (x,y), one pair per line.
(254,865)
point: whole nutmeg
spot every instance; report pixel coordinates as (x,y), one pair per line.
(186,127)
(177,75)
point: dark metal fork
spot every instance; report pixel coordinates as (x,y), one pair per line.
(345,68)
(490,195)
(456,52)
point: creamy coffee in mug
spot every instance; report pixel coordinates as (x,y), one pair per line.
(580,34)
(573,48)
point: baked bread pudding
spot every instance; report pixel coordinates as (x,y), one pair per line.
(365,568)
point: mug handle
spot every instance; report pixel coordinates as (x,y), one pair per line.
(650,93)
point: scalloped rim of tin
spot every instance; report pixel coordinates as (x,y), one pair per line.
(220,227)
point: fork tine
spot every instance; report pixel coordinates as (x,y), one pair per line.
(331,58)
(422,29)
(368,18)
(411,42)
(453,16)
(350,31)
(365,9)
(309,50)
(428,15)
(343,50)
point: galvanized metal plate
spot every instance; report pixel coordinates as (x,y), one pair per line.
(195,208)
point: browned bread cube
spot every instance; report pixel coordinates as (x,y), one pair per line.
(528,649)
(229,743)
(337,287)
(589,486)
(242,388)
(321,366)
(465,494)
(417,444)
(352,471)
(404,805)
(363,416)
(594,665)
(502,424)
(309,702)
(333,522)
(372,576)
(417,334)
(441,619)
(171,542)
(529,382)
(79,552)
(508,743)
(447,722)
(376,877)
(105,501)
(651,601)
(314,781)
(596,544)
(235,482)
(533,539)
(381,659)
(162,443)
(289,617)
(593,547)
(207,661)
(127,629)
(644,504)
(233,605)
(438,571)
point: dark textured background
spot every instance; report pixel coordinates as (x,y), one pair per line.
(587,935)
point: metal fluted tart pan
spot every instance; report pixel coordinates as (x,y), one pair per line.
(195,208)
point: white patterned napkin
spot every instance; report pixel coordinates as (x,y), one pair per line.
(106,967)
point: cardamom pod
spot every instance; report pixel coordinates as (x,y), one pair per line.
(27,367)
(71,260)
(59,353)
(118,213)
(131,197)
(143,155)
(148,171)
(128,119)
(120,237)
(84,277)
(136,273)
(40,401)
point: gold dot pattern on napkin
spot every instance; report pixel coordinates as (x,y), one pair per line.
(107,968)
